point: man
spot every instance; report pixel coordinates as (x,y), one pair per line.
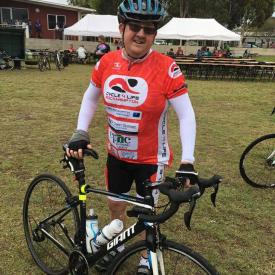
(102,48)
(138,84)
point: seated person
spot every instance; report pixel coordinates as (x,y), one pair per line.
(207,52)
(82,54)
(199,54)
(71,49)
(228,54)
(179,51)
(171,53)
(102,48)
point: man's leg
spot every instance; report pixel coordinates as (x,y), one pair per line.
(117,209)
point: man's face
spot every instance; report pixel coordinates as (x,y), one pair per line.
(138,37)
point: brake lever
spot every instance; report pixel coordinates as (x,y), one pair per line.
(214,194)
(65,164)
(188,215)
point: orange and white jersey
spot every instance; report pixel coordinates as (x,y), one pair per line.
(136,97)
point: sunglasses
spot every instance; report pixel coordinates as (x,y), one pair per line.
(136,28)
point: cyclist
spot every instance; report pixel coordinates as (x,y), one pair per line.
(138,84)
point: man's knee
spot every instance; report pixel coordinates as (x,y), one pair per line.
(117,208)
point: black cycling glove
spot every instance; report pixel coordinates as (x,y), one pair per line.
(79,140)
(186,170)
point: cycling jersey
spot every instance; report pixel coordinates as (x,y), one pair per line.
(136,97)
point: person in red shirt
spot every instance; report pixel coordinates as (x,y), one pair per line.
(138,85)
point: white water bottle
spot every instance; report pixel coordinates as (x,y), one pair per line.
(91,229)
(107,233)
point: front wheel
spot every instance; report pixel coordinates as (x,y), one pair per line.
(176,259)
(257,163)
(50,225)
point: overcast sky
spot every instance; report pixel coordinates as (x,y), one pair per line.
(57,1)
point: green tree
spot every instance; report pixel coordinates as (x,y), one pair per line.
(83,3)
(228,12)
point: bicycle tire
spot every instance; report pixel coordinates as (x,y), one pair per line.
(10,64)
(44,197)
(184,260)
(47,64)
(41,66)
(257,165)
(58,63)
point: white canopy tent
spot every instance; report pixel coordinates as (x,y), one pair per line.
(95,25)
(196,29)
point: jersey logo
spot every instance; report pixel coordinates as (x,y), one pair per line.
(125,90)
(174,70)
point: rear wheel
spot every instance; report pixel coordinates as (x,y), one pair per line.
(177,259)
(59,62)
(257,163)
(49,235)
(41,65)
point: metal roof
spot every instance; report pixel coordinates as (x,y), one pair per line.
(56,5)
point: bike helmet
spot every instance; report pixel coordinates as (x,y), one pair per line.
(140,10)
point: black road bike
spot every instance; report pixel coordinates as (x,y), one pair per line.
(257,162)
(54,224)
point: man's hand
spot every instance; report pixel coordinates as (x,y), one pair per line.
(187,173)
(80,140)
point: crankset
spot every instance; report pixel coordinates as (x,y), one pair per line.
(78,264)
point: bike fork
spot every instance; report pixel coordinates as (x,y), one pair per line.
(157,261)
(154,262)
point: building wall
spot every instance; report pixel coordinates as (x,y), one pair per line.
(40,12)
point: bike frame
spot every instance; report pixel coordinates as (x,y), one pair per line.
(151,229)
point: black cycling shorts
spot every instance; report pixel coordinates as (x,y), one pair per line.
(120,175)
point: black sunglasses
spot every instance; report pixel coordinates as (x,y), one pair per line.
(137,27)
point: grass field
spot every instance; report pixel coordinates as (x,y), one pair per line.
(38,112)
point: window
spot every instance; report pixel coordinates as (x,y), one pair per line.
(6,15)
(10,15)
(20,14)
(53,20)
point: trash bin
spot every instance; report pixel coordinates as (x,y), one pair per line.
(17,63)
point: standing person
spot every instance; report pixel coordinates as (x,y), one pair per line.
(30,27)
(138,85)
(38,28)
(102,48)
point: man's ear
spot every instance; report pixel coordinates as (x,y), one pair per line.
(121,28)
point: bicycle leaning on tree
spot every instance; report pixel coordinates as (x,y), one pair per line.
(55,226)
(257,162)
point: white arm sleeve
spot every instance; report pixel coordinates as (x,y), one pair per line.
(88,107)
(183,107)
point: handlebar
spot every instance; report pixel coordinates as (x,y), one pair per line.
(86,152)
(169,188)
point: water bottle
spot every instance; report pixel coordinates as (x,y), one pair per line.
(91,229)
(106,234)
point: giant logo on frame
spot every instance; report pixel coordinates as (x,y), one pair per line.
(125,90)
